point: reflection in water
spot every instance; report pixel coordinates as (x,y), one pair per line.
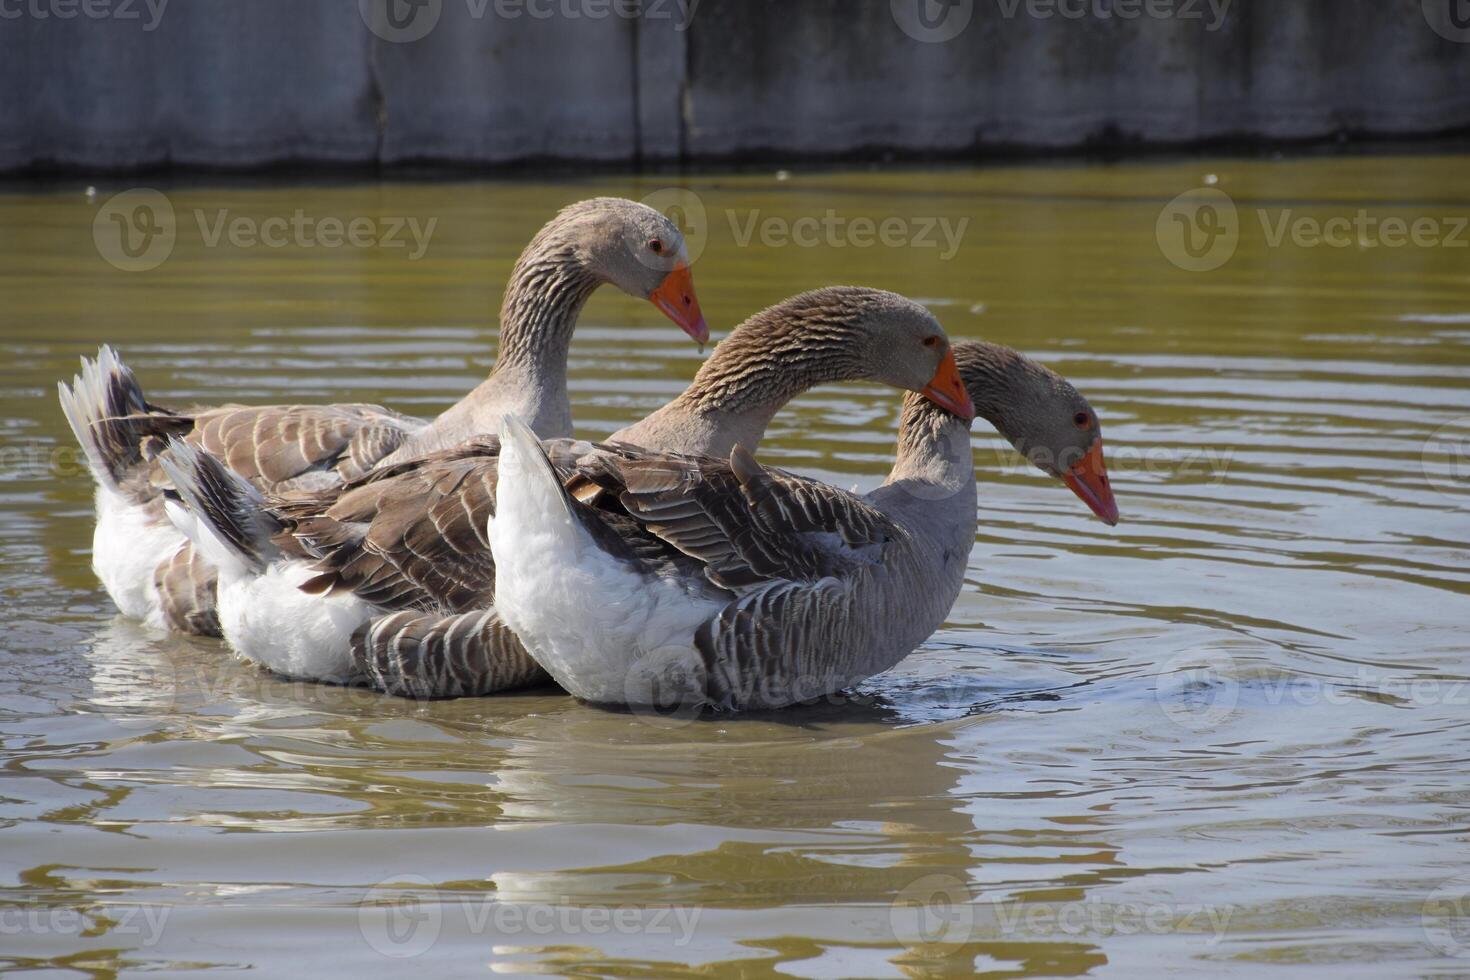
(1229,732)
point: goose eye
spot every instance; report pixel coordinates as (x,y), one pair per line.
(1082,420)
(655,245)
(931,341)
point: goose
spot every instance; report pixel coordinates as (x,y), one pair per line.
(694,583)
(148,567)
(389,579)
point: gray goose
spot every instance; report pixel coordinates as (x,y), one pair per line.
(148,567)
(389,580)
(682,582)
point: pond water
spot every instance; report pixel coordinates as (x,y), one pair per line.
(1232,733)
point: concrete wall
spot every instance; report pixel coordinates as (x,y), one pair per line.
(128,83)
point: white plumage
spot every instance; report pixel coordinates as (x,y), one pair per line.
(555,584)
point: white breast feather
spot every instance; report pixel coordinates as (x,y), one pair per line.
(128,545)
(268,620)
(597,626)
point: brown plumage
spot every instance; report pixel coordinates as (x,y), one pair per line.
(287,448)
(799,589)
(411,536)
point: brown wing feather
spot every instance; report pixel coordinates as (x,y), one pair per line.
(413,537)
(412,540)
(186,589)
(274,445)
(748,524)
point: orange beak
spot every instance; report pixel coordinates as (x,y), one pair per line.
(675,296)
(1089,480)
(947,389)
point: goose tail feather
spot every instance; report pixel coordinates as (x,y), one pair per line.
(117,429)
(217,509)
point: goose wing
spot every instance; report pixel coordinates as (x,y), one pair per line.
(281,447)
(747,524)
(411,535)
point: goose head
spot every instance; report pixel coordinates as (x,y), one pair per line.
(638,250)
(839,333)
(902,345)
(1043,416)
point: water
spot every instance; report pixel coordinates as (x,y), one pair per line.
(1231,733)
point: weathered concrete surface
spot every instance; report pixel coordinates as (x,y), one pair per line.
(250,82)
(485,87)
(213,83)
(833,75)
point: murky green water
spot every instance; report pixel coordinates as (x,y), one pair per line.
(1231,734)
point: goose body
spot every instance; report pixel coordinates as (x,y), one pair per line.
(408,545)
(149,568)
(705,582)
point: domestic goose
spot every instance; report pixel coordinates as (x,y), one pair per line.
(390,579)
(654,579)
(147,566)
